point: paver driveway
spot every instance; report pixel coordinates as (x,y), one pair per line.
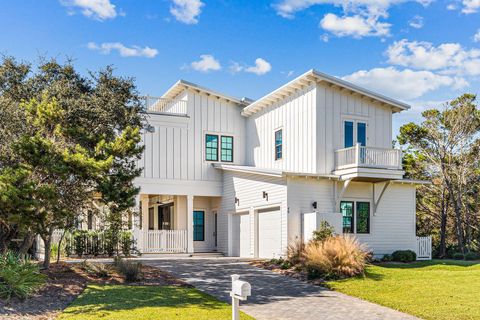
(274,296)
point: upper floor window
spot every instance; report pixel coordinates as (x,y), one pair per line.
(227,149)
(354,132)
(278,144)
(211,147)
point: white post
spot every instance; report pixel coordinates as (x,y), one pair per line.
(357,154)
(189,223)
(235,301)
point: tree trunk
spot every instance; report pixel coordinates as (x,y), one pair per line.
(443,230)
(60,246)
(47,239)
(27,243)
(457,208)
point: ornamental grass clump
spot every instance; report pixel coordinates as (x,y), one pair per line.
(336,257)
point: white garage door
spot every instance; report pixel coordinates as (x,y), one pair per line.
(241,235)
(269,233)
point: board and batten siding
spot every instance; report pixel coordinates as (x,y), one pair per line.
(176,149)
(334,106)
(295,115)
(248,188)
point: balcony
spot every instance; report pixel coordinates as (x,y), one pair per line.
(368,163)
(165,106)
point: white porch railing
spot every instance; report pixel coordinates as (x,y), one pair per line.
(161,241)
(424,248)
(165,106)
(369,157)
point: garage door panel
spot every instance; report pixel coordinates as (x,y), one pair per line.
(269,234)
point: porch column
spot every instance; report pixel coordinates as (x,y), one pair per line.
(189,224)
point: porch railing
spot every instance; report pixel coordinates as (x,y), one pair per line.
(424,248)
(161,241)
(165,106)
(368,157)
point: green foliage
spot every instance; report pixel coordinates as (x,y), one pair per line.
(458,256)
(404,256)
(96,269)
(18,277)
(130,269)
(126,242)
(387,258)
(324,232)
(80,242)
(469,256)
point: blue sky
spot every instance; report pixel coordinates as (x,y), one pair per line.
(423,52)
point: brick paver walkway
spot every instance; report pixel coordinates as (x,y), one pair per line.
(274,296)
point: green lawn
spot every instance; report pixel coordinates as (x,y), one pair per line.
(146,302)
(435,289)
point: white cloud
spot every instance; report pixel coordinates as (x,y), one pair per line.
(470,6)
(206,63)
(95,9)
(133,51)
(416,22)
(452,6)
(446,58)
(186,11)
(355,26)
(288,8)
(260,68)
(476,37)
(403,84)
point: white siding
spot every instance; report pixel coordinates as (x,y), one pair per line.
(391,228)
(248,188)
(296,117)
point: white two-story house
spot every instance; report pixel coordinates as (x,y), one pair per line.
(244,178)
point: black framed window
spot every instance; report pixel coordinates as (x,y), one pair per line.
(363,217)
(346,208)
(198,225)
(226,149)
(211,147)
(278,144)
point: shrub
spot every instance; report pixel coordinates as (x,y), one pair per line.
(404,256)
(18,278)
(126,243)
(458,256)
(472,256)
(130,269)
(80,242)
(295,251)
(324,232)
(335,257)
(387,258)
(111,242)
(96,269)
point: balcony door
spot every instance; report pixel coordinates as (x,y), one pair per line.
(354,131)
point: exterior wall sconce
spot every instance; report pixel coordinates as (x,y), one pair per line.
(314,205)
(237,201)
(265,195)
(150,128)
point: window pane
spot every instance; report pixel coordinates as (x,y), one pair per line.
(363,217)
(346,208)
(348,130)
(227,149)
(211,147)
(278,144)
(198,226)
(362,133)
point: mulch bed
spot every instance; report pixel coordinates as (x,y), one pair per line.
(291,272)
(65,282)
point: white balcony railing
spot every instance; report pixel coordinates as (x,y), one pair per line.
(161,241)
(165,106)
(368,157)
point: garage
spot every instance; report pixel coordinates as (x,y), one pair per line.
(241,235)
(269,233)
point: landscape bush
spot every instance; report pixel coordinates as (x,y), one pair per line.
(130,269)
(335,257)
(472,256)
(404,256)
(96,269)
(324,232)
(19,277)
(295,252)
(387,258)
(126,243)
(458,256)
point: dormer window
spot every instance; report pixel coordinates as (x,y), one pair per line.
(278,144)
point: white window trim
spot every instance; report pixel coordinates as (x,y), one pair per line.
(219,143)
(275,147)
(355,121)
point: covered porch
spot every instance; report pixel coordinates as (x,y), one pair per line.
(176,224)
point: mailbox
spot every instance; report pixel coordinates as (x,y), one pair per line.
(241,289)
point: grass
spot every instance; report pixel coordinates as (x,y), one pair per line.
(437,289)
(146,302)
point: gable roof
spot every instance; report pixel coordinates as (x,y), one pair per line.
(313,76)
(181,85)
